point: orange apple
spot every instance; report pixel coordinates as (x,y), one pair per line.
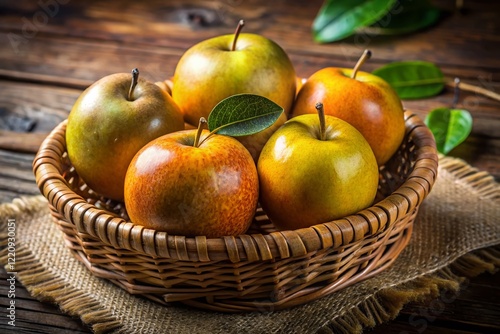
(185,185)
(362,99)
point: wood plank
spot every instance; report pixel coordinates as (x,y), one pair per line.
(21,142)
(475,316)
(466,313)
(16,176)
(70,62)
(65,62)
(180,24)
(45,106)
(33,316)
(404,326)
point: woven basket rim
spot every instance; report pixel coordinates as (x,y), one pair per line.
(119,233)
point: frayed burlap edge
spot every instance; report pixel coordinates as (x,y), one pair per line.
(47,286)
(44,284)
(386,304)
(378,308)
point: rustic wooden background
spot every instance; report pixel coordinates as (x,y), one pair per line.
(49,54)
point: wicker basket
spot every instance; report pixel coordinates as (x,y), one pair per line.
(264,269)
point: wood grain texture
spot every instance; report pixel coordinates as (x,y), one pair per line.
(35,317)
(136,23)
(42,75)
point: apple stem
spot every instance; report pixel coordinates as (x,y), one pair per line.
(456,93)
(322,125)
(237,34)
(201,125)
(135,79)
(364,57)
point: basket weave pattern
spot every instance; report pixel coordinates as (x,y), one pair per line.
(263,269)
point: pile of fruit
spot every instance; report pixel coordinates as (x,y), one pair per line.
(146,143)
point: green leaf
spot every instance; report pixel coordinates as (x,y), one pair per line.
(405,17)
(413,79)
(243,115)
(338,19)
(449,126)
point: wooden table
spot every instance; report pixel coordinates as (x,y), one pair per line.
(50,53)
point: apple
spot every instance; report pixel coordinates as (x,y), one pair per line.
(166,85)
(227,65)
(110,121)
(314,170)
(193,183)
(362,99)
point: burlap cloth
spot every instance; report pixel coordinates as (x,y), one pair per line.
(456,234)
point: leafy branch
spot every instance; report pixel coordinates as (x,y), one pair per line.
(476,89)
(418,80)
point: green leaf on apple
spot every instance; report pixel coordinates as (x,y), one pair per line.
(413,79)
(449,126)
(243,115)
(338,19)
(405,17)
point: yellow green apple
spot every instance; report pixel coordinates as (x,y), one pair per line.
(232,64)
(110,121)
(314,170)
